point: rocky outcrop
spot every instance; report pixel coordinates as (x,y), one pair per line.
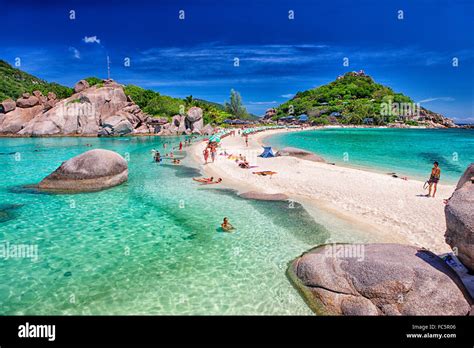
(93,111)
(81,85)
(100,110)
(27,101)
(14,121)
(191,123)
(7,106)
(117,124)
(91,171)
(459,212)
(378,279)
(295,152)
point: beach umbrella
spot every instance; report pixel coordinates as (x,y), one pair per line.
(214,138)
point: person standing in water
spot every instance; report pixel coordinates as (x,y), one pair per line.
(180,146)
(434,178)
(226,225)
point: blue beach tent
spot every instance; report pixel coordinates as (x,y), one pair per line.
(267,152)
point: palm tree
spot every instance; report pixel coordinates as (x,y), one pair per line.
(189,101)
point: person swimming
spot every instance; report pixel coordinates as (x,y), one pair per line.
(157,157)
(226,225)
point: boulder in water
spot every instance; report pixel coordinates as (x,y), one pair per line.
(264,196)
(93,170)
(299,153)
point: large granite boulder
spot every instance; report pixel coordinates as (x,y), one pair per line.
(27,101)
(459,212)
(194,114)
(91,171)
(15,120)
(468,176)
(299,153)
(119,124)
(378,279)
(81,85)
(8,105)
(194,121)
(207,130)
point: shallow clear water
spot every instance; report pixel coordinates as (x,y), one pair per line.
(150,246)
(408,152)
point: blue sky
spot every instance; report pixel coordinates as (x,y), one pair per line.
(277,56)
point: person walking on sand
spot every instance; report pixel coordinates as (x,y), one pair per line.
(206,154)
(213,153)
(247,140)
(434,178)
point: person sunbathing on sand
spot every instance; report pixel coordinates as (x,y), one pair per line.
(205,180)
(226,226)
(244,165)
(214,182)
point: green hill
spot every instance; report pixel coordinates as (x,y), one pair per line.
(350,99)
(14,82)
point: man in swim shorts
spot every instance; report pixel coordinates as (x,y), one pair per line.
(434,178)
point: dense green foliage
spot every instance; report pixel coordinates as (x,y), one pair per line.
(93,81)
(158,105)
(354,97)
(14,82)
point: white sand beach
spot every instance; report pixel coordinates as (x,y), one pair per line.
(392,209)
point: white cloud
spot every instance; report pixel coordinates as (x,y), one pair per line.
(75,52)
(263,103)
(289,95)
(448,99)
(91,39)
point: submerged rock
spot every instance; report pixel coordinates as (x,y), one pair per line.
(303,154)
(378,279)
(264,196)
(91,171)
(459,213)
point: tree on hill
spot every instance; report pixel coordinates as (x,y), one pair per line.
(235,106)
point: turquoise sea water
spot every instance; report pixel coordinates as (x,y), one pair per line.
(409,152)
(150,246)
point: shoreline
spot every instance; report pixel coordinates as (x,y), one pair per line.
(388,209)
